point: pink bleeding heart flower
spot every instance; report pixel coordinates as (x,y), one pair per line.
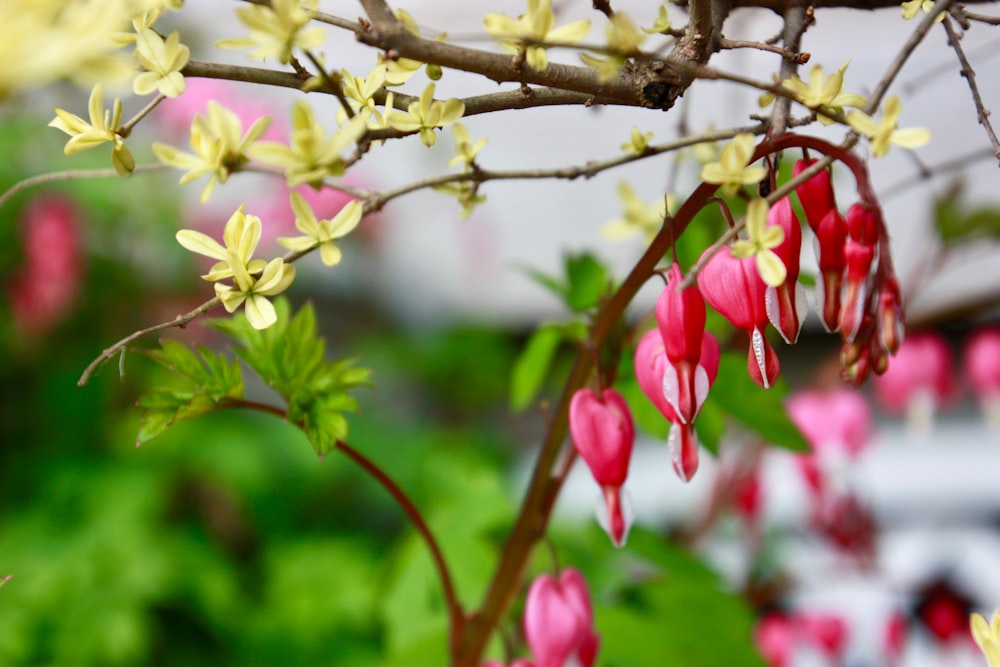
(651,366)
(920,379)
(559,620)
(838,419)
(827,632)
(603,434)
(786,304)
(734,288)
(861,257)
(982,368)
(774,636)
(889,316)
(680,317)
(830,230)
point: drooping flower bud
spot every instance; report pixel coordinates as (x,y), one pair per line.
(786,304)
(816,194)
(558,620)
(889,312)
(733,287)
(603,434)
(651,365)
(680,317)
(831,236)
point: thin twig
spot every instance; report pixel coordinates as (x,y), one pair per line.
(335,87)
(797,21)
(947,167)
(71,175)
(982,113)
(179,321)
(982,18)
(126,129)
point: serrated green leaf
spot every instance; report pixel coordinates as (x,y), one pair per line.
(758,409)
(550,283)
(587,281)
(209,378)
(532,367)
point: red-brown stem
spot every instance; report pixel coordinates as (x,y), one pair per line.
(456,614)
(544,488)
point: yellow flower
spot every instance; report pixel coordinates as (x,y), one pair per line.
(661,25)
(163,61)
(763,237)
(638,215)
(824,93)
(467,150)
(241,235)
(310,156)
(623,40)
(731,171)
(321,233)
(399,70)
(426,114)
(912,7)
(253,292)
(533,32)
(276,29)
(882,134)
(638,142)
(218,147)
(361,91)
(987,636)
(102,128)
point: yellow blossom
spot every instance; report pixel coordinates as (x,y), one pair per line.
(163,61)
(661,25)
(310,155)
(102,128)
(241,236)
(731,171)
(912,7)
(824,92)
(467,150)
(638,142)
(466,192)
(763,238)
(623,41)
(882,134)
(399,70)
(426,114)
(321,233)
(638,216)
(533,32)
(276,29)
(361,92)
(219,148)
(987,636)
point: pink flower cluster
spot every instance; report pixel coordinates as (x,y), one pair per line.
(860,295)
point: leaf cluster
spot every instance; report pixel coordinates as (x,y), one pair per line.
(290,358)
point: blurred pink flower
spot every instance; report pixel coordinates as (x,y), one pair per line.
(774,636)
(45,287)
(827,632)
(982,362)
(920,378)
(839,418)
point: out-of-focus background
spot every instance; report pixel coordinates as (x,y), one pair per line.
(227,542)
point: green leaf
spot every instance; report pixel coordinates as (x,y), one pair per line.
(290,357)
(209,378)
(587,281)
(532,366)
(955,222)
(760,410)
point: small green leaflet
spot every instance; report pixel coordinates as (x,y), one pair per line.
(532,366)
(211,378)
(290,357)
(586,281)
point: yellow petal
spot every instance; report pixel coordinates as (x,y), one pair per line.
(772,270)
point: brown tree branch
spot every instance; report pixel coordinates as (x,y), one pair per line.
(982,113)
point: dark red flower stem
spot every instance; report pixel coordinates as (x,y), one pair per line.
(455,612)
